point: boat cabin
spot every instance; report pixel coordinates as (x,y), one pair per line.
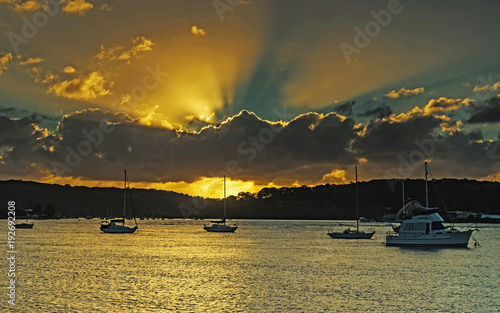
(422,225)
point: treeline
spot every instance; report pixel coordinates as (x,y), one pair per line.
(49,211)
(376,199)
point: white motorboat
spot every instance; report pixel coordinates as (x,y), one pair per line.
(423,227)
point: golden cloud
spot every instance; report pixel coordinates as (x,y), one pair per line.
(403,93)
(444,104)
(78,7)
(195,30)
(69,69)
(30,61)
(109,54)
(36,70)
(335,177)
(5,58)
(494,86)
(492,177)
(82,88)
(140,44)
(27,6)
(105,7)
(47,79)
(433,106)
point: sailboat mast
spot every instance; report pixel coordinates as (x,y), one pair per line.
(426,190)
(124,195)
(224,199)
(357,212)
(403,184)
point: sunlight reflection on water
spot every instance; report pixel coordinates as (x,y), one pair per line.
(292,266)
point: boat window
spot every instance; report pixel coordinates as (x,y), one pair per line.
(437,226)
(420,226)
(410,226)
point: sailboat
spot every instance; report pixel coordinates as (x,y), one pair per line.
(113,226)
(353,234)
(220,226)
(25,225)
(423,227)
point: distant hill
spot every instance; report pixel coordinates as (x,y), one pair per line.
(376,198)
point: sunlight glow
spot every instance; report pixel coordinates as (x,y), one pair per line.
(208,187)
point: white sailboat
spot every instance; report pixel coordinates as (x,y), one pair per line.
(220,226)
(113,226)
(423,227)
(353,234)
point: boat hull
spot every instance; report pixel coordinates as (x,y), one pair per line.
(24,225)
(220,229)
(454,239)
(352,235)
(118,229)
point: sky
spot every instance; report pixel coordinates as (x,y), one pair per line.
(268,93)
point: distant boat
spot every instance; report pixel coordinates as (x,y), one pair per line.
(353,234)
(113,226)
(423,227)
(365,220)
(220,226)
(25,225)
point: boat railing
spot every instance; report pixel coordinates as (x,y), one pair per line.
(408,235)
(391,233)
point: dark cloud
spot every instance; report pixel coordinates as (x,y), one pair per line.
(385,139)
(97,145)
(11,111)
(466,155)
(476,135)
(381,112)
(44,121)
(345,108)
(399,149)
(24,146)
(487,112)
(17,132)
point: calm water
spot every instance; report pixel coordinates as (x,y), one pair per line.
(265,266)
